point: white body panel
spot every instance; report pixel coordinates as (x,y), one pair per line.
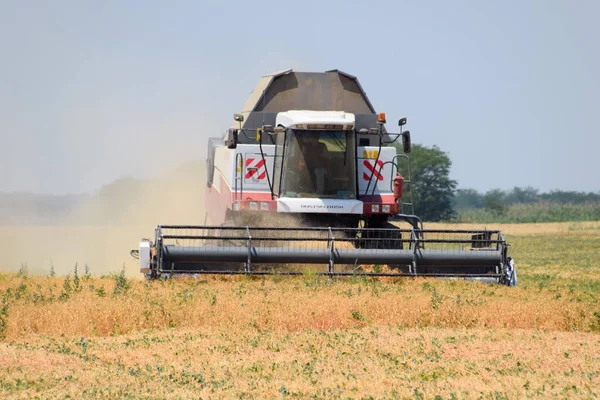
(255,172)
(366,157)
(327,206)
(251,172)
(224,166)
(291,119)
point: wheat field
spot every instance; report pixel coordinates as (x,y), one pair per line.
(113,336)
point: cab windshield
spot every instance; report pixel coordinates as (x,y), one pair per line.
(319,164)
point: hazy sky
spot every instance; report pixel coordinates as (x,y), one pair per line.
(91,91)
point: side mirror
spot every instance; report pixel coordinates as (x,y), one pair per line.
(402,122)
(232,138)
(406,142)
(238,117)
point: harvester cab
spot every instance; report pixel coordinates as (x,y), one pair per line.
(309,177)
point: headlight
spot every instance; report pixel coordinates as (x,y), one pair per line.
(385,208)
(253,205)
(264,206)
(375,208)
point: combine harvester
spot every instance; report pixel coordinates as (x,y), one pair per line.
(308,177)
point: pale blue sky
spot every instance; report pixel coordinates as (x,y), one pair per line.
(91,91)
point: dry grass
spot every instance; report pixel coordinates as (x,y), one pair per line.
(368,362)
(309,337)
(290,305)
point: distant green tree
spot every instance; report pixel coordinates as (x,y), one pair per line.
(495,201)
(467,198)
(431,184)
(522,195)
(560,196)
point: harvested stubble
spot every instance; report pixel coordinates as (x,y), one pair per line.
(370,362)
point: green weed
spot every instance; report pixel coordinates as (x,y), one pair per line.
(122,284)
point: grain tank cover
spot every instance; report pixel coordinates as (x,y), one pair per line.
(323,91)
(319,91)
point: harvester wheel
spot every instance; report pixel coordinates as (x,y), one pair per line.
(395,237)
(390,236)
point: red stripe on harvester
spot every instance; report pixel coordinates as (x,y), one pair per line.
(370,168)
(260,164)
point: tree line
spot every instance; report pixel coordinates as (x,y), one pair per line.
(470,198)
(436,197)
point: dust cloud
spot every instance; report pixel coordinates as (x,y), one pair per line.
(100,232)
